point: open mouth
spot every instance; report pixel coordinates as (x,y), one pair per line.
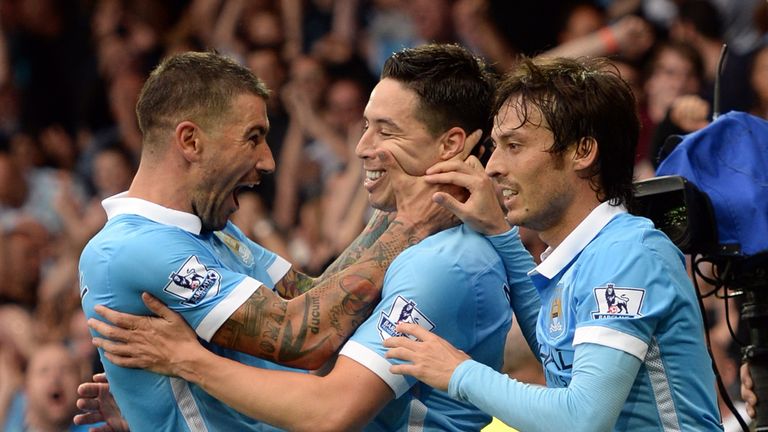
(507,193)
(240,189)
(372,177)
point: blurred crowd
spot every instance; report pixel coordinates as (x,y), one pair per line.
(71,71)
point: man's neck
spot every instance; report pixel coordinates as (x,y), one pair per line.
(570,219)
(161,186)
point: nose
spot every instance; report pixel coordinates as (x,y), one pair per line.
(364,147)
(265,163)
(495,166)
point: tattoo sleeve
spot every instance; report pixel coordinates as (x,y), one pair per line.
(295,283)
(308,329)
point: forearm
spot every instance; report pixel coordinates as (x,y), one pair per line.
(592,401)
(284,399)
(341,301)
(308,329)
(295,283)
(524,298)
(378,223)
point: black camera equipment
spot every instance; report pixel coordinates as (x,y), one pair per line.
(685,213)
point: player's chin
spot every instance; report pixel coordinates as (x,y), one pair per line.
(383,202)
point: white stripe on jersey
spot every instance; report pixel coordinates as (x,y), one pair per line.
(661,390)
(187,405)
(418,412)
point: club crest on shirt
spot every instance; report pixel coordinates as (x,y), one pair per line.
(236,246)
(402,310)
(618,302)
(556,324)
(193,282)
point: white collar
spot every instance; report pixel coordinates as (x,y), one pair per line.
(554,260)
(122,204)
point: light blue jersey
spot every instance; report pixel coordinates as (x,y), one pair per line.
(618,282)
(202,275)
(620,337)
(453,284)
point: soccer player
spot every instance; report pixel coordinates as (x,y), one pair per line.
(204,124)
(431,105)
(619,329)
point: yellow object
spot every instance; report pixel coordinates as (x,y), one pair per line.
(497,426)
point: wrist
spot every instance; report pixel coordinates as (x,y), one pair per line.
(498,227)
(188,362)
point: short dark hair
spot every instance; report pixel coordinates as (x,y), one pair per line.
(578,99)
(198,86)
(454,87)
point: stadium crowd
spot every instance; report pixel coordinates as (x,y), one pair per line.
(71,72)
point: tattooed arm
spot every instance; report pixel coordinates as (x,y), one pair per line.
(295,283)
(306,330)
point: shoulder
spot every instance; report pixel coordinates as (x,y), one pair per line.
(458,249)
(133,242)
(629,249)
(628,236)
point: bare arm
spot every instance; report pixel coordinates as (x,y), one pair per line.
(345,399)
(631,36)
(306,330)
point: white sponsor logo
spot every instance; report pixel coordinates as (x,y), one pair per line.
(618,302)
(193,282)
(402,310)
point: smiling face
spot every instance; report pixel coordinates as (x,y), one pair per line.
(235,156)
(536,188)
(391,124)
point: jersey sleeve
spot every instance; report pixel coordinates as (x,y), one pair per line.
(271,267)
(184,275)
(523,297)
(623,292)
(415,291)
(602,378)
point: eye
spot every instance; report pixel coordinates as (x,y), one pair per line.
(256,139)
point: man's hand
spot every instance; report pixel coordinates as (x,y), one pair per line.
(432,358)
(748,390)
(414,198)
(481,211)
(152,343)
(99,406)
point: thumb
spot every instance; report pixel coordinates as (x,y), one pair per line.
(156,306)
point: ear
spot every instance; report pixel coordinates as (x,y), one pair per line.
(187,140)
(585,155)
(456,144)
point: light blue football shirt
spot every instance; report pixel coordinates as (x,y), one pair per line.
(454,284)
(205,276)
(617,281)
